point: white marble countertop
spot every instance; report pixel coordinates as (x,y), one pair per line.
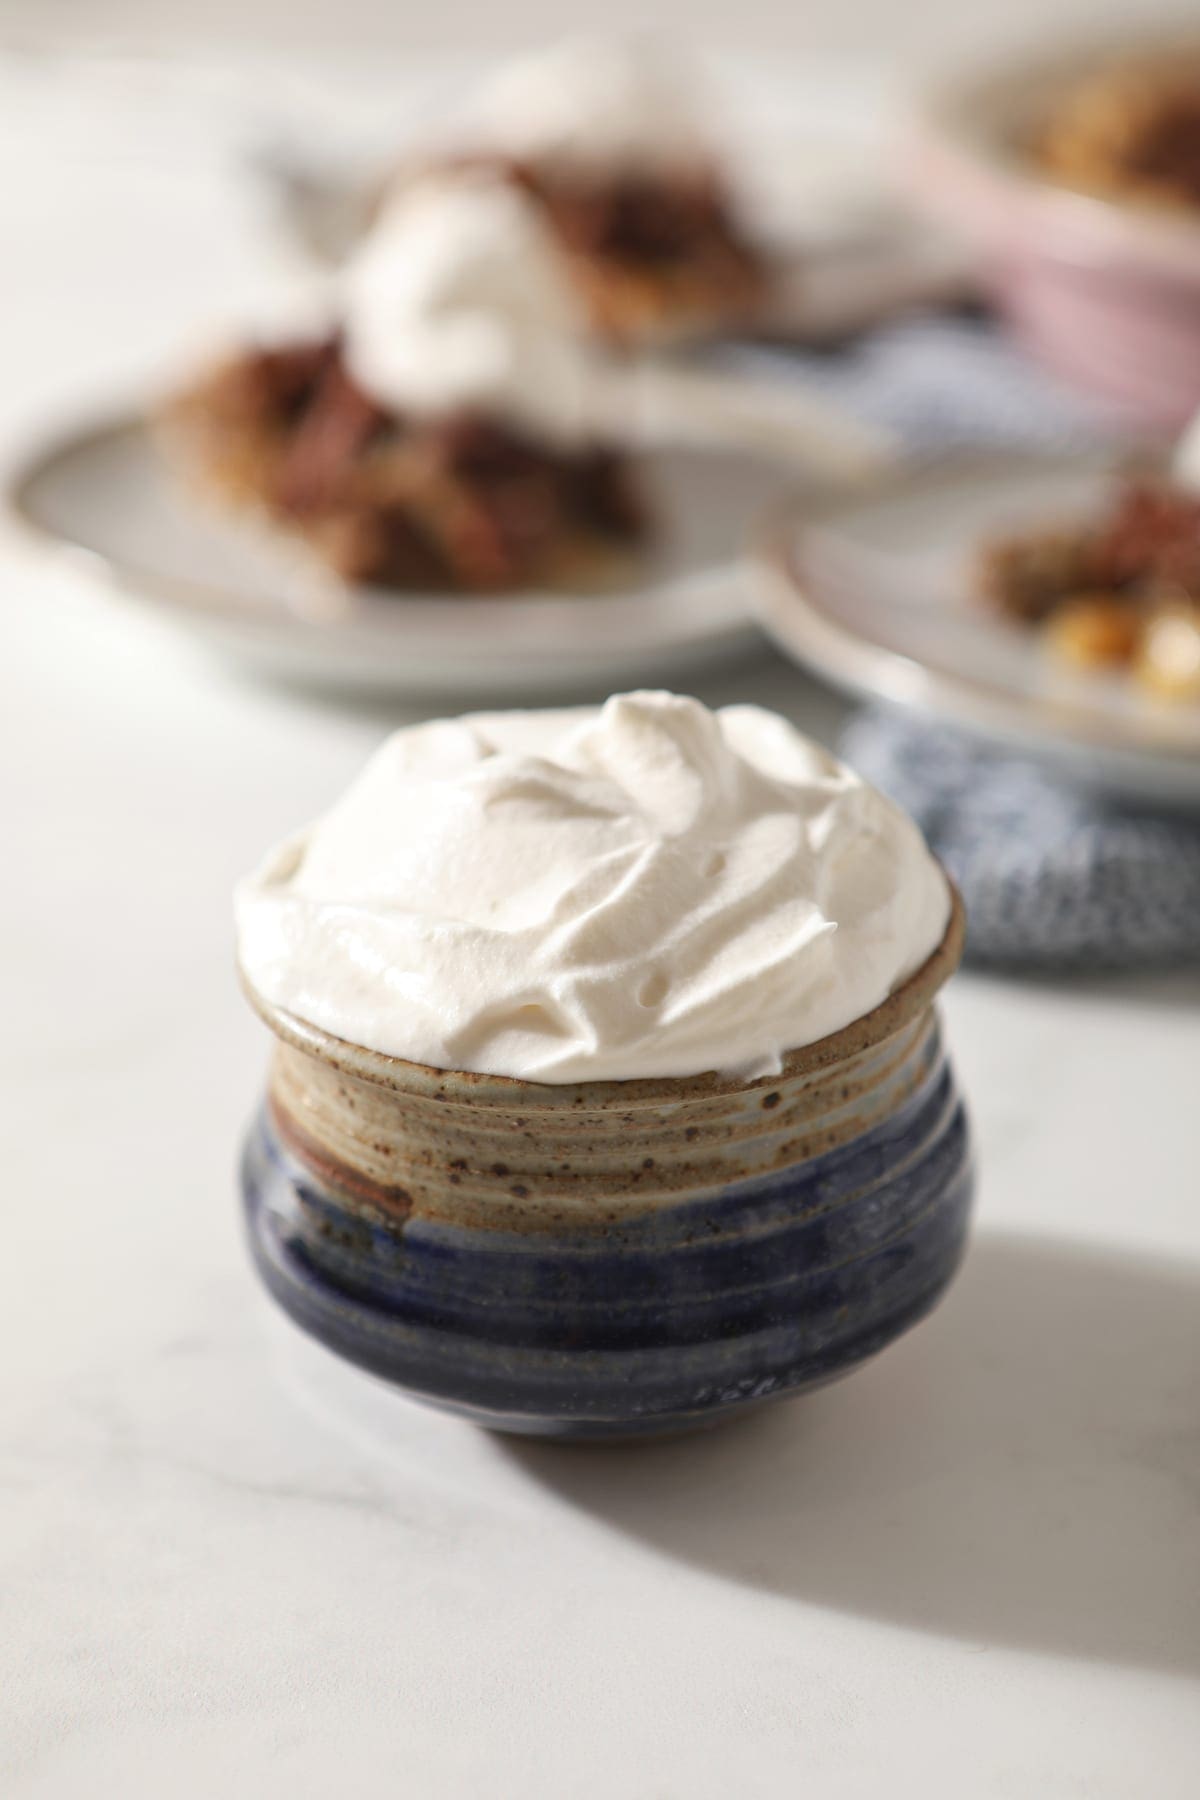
(227,1565)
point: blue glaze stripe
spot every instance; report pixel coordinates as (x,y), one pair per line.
(714,1290)
(617,1387)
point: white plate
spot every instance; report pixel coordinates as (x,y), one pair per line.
(104,494)
(874,590)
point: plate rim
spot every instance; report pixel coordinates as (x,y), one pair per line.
(809,631)
(945,124)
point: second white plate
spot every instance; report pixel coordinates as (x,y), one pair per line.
(874,591)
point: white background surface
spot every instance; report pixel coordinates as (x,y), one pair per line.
(911,36)
(228,1567)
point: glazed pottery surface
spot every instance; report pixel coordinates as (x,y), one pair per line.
(613,1258)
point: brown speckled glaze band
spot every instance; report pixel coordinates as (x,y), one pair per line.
(491,1151)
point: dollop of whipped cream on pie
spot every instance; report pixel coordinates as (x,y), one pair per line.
(457,300)
(603,105)
(1185,464)
(644,889)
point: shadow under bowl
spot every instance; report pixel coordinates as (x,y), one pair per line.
(613,1259)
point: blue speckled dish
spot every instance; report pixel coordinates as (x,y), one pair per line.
(622,1258)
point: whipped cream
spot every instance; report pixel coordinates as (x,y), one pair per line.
(1185,464)
(595,105)
(457,299)
(644,889)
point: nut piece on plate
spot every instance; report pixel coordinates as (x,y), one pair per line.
(1130,129)
(1094,631)
(1168,657)
(1026,577)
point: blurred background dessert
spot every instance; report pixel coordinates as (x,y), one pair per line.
(445,434)
(612,144)
(1074,174)
(1130,129)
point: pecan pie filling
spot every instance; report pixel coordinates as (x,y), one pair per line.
(460,502)
(651,253)
(1123,591)
(1131,130)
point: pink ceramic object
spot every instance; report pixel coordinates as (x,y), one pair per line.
(1105,293)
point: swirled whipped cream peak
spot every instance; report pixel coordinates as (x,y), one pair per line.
(644,889)
(457,300)
(595,105)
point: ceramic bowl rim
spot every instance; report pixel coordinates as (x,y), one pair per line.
(949,147)
(897,1010)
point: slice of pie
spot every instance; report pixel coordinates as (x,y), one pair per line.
(441,438)
(1119,591)
(608,141)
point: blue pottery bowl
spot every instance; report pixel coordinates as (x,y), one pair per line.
(615,1258)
